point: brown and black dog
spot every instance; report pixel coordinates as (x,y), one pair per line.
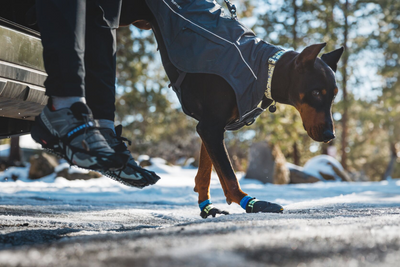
(300,79)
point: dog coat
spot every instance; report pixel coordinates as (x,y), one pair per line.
(200,38)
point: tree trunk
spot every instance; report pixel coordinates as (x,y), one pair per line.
(294,31)
(15,151)
(296,154)
(393,158)
(344,87)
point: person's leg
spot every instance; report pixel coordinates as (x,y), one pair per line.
(66,125)
(101,23)
(62,27)
(100,57)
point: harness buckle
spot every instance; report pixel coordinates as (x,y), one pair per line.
(232,9)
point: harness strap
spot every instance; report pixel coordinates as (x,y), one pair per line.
(180,79)
(232,9)
(247,120)
(176,86)
(267,100)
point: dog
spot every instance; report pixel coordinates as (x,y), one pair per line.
(300,79)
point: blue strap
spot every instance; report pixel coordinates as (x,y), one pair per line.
(244,201)
(204,203)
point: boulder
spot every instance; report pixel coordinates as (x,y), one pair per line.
(267,164)
(359,176)
(326,168)
(144,161)
(298,176)
(41,165)
(67,174)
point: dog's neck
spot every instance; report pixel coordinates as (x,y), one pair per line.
(281,79)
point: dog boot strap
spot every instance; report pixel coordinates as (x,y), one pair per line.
(210,210)
(250,205)
(205,212)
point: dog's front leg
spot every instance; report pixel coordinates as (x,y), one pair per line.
(213,141)
(203,176)
(202,185)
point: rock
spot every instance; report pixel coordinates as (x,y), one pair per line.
(281,171)
(359,176)
(145,163)
(14,177)
(267,164)
(78,175)
(298,176)
(325,167)
(41,165)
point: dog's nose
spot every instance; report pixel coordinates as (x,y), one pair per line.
(328,135)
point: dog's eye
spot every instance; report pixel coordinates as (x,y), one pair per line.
(316,93)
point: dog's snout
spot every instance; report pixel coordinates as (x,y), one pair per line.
(328,135)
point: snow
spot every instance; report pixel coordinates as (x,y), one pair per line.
(25,142)
(176,187)
(99,222)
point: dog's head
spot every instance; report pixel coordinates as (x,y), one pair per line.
(315,88)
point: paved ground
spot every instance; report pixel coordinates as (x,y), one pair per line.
(53,233)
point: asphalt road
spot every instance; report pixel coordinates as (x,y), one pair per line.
(53,233)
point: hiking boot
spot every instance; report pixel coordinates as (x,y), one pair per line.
(131,174)
(70,133)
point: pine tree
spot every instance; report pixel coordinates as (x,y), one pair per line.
(387,43)
(154,126)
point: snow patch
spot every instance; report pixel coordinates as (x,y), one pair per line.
(176,189)
(322,164)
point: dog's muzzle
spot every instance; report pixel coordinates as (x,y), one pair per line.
(328,135)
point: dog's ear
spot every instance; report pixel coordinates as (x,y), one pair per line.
(305,60)
(332,58)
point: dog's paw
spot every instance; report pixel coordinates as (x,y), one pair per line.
(210,210)
(256,205)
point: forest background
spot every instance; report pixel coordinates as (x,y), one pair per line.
(366,111)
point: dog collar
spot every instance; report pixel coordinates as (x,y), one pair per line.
(271,67)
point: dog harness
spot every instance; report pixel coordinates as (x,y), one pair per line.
(200,38)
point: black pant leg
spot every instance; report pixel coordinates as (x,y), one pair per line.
(100,56)
(62,27)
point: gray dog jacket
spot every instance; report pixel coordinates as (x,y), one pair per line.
(200,38)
